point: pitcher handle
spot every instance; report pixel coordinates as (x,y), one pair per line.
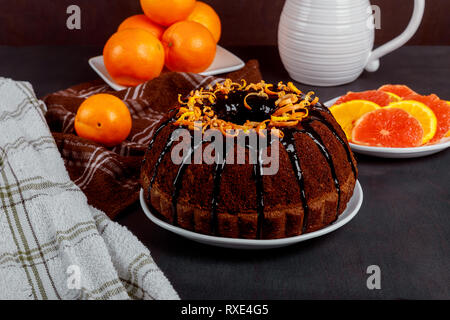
(374,59)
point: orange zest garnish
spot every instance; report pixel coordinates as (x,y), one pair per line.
(268,91)
(196,113)
(287,123)
(293,88)
(292,107)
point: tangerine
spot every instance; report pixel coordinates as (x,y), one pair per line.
(388,127)
(208,17)
(378,97)
(133,56)
(103,118)
(167,12)
(189,47)
(140,21)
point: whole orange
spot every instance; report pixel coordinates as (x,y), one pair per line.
(103,118)
(140,21)
(167,12)
(208,17)
(189,47)
(133,56)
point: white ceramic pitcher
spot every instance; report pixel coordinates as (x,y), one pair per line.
(330,42)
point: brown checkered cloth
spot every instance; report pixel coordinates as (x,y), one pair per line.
(110,176)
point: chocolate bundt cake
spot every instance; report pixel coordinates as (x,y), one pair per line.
(316,172)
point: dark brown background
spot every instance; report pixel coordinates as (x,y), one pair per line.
(33,22)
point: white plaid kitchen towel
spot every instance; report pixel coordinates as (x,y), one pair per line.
(53,245)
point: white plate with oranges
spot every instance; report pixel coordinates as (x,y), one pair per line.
(224,62)
(402,124)
(175,35)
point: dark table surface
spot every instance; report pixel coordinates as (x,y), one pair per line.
(403,225)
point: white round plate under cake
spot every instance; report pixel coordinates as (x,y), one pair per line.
(396,153)
(349,213)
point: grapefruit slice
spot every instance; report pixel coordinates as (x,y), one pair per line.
(399,90)
(388,127)
(442,111)
(422,113)
(347,113)
(380,98)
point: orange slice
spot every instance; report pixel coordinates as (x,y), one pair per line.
(379,97)
(398,89)
(389,128)
(441,110)
(394,97)
(422,113)
(347,113)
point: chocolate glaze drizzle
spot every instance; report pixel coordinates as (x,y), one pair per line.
(179,178)
(257,175)
(166,149)
(260,189)
(150,146)
(158,131)
(230,108)
(218,170)
(318,141)
(317,116)
(289,145)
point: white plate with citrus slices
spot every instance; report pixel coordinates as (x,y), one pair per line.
(398,123)
(224,62)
